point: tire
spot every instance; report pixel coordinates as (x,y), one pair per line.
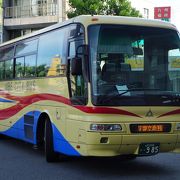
(51,156)
(2,136)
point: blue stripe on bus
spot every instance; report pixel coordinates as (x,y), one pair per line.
(61,145)
(6,100)
(17,130)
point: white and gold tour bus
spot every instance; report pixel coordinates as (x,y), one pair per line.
(94,86)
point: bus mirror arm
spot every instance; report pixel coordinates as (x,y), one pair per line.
(82,50)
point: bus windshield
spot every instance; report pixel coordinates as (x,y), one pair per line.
(134,65)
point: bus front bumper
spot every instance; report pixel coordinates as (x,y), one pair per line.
(94,145)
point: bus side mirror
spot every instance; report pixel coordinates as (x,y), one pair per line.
(76,66)
(83,51)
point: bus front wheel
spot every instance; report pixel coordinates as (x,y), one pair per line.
(51,155)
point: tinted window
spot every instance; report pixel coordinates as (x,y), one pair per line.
(51,53)
(1,70)
(25,66)
(134,65)
(30,66)
(6,53)
(19,67)
(26,47)
(9,69)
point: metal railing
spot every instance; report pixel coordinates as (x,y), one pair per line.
(31,11)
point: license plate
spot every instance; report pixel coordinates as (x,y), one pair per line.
(148,149)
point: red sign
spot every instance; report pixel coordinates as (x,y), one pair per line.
(162,12)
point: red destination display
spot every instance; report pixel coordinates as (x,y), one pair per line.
(162,12)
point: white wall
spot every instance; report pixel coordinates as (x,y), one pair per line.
(62,10)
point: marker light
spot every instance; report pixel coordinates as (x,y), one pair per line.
(105,127)
(94,19)
(178,126)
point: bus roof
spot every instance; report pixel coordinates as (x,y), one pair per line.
(101,19)
(87,20)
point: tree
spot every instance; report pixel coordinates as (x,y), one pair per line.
(102,7)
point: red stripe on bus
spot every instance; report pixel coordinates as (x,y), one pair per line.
(105,110)
(28,100)
(177,111)
(25,101)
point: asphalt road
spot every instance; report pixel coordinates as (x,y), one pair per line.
(19,160)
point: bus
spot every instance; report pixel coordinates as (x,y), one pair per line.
(93,86)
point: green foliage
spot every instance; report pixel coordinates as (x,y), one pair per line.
(102,7)
(41,70)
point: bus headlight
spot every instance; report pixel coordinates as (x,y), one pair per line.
(178,126)
(106,127)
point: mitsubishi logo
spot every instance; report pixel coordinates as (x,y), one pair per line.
(149,114)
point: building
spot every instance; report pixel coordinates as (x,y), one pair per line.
(24,16)
(146,7)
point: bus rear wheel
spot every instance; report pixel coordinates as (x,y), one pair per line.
(51,155)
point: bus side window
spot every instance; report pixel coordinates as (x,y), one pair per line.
(19,67)
(6,63)
(30,66)
(52,53)
(1,70)
(25,66)
(26,47)
(9,68)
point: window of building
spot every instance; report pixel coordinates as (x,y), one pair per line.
(146,13)
(14,34)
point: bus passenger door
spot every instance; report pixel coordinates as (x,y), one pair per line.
(77,83)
